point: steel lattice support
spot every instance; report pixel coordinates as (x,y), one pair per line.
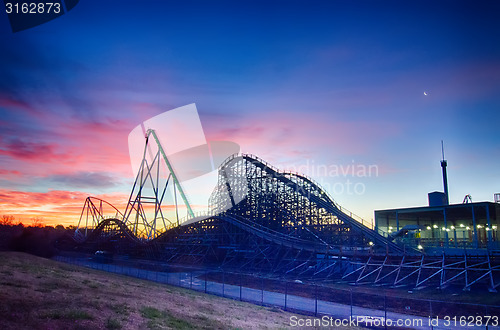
(290,204)
(94,212)
(144,213)
(439,271)
(262,220)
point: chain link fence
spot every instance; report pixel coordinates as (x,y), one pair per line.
(308,298)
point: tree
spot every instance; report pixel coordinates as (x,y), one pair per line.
(7,220)
(37,222)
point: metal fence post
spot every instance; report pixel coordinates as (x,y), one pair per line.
(385,311)
(430,316)
(223,282)
(315,299)
(205,281)
(350,290)
(486,313)
(286,292)
(191,281)
(241,286)
(262,293)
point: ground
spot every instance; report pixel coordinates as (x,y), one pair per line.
(37,293)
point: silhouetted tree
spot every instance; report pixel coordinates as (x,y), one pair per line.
(37,222)
(7,220)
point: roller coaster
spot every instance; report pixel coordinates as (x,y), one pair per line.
(261,220)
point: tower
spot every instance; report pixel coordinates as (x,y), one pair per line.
(445,177)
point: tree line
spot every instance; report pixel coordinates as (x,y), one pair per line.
(10,220)
(36,238)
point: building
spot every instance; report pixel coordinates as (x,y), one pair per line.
(441,227)
(455,226)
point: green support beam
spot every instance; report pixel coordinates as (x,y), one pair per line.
(171,169)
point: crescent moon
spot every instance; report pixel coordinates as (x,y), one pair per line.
(425,93)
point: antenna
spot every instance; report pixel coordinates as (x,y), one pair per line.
(442,148)
(445,176)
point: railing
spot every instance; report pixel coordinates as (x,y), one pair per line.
(459,243)
(199,214)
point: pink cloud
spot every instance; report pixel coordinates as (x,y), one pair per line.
(31,151)
(4,172)
(70,145)
(298,135)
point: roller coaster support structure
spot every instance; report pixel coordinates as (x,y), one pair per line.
(151,185)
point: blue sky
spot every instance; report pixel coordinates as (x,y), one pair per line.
(328,83)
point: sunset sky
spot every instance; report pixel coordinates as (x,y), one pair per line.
(305,85)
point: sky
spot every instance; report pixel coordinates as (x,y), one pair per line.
(356,94)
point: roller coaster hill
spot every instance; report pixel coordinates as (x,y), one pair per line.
(265,221)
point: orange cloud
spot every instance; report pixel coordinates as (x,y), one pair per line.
(55,207)
(65,207)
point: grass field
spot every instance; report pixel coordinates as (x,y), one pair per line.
(37,293)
